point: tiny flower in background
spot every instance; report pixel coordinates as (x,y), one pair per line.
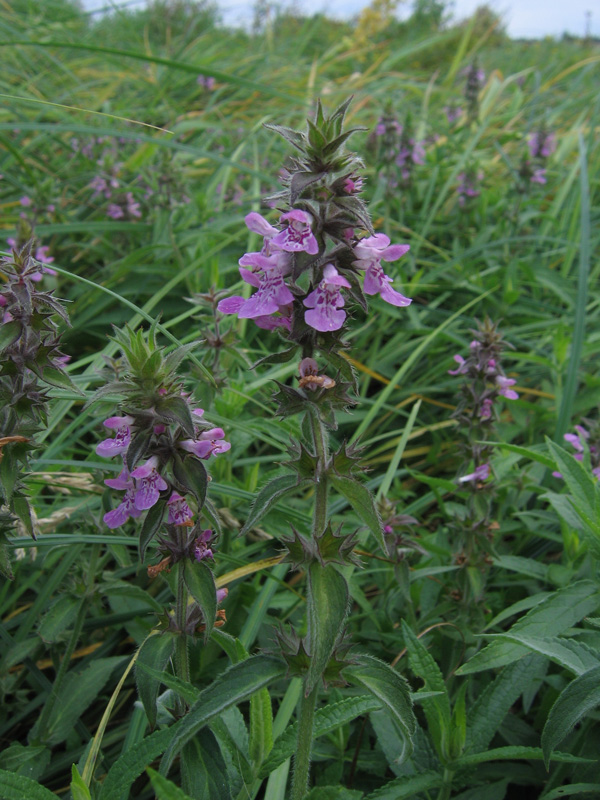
(462,368)
(504,385)
(114,211)
(468,187)
(542,144)
(26,202)
(452,112)
(206,82)
(480,473)
(326,301)
(133,208)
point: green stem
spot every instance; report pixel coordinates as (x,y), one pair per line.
(305,738)
(182,664)
(321,451)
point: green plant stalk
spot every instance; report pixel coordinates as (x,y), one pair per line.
(182,664)
(307,704)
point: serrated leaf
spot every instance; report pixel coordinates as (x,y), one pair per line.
(155,652)
(151,526)
(236,684)
(200,582)
(21,508)
(184,689)
(391,689)
(232,646)
(177,410)
(59,617)
(363,503)
(300,181)
(581,484)
(326,719)
(570,789)
(328,603)
(493,704)
(261,726)
(191,473)
(553,616)
(56,377)
(203,768)
(527,452)
(137,449)
(514,752)
(569,653)
(333,793)
(268,496)
(30,761)
(281,357)
(9,333)
(132,763)
(437,709)
(573,703)
(18,787)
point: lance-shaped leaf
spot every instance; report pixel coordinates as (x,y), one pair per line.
(363,503)
(200,582)
(328,601)
(155,653)
(573,703)
(234,686)
(18,787)
(268,496)
(191,474)
(151,525)
(282,357)
(137,449)
(9,333)
(164,789)
(391,689)
(175,409)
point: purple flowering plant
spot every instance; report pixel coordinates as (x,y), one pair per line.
(31,364)
(320,258)
(484,388)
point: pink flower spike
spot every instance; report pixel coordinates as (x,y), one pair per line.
(297,236)
(179,511)
(325,302)
(201,549)
(505,390)
(149,484)
(480,473)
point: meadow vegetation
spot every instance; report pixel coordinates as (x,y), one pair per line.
(357,553)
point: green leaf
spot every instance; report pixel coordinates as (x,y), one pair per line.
(282,357)
(489,791)
(407,788)
(155,653)
(515,752)
(59,618)
(18,787)
(176,409)
(151,526)
(203,768)
(527,452)
(164,789)
(573,703)
(582,485)
(137,449)
(21,508)
(79,790)
(363,503)
(184,689)
(77,692)
(200,582)
(552,616)
(569,789)
(328,602)
(232,646)
(437,709)
(326,719)
(261,726)
(233,686)
(30,761)
(132,763)
(391,689)
(333,793)
(494,703)
(56,377)
(268,496)
(190,472)
(569,653)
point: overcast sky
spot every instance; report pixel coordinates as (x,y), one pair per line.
(525,18)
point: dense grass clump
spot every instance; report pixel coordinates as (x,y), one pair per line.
(371,546)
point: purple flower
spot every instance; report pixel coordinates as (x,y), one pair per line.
(26,201)
(117,446)
(325,302)
(201,549)
(100,186)
(297,236)
(462,368)
(41,255)
(179,511)
(504,385)
(539,175)
(127,508)
(370,252)
(115,211)
(206,81)
(133,208)
(148,483)
(353,185)
(208,443)
(222,594)
(480,473)
(272,293)
(542,144)
(452,113)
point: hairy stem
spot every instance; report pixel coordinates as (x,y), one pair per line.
(305,737)
(321,451)
(182,664)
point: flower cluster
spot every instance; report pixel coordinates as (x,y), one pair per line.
(310,262)
(398,151)
(484,384)
(453,112)
(474,80)
(542,144)
(584,439)
(206,82)
(161,438)
(469,186)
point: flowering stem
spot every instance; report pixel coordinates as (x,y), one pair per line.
(305,737)
(182,666)
(320,445)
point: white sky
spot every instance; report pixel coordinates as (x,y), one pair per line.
(525,18)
